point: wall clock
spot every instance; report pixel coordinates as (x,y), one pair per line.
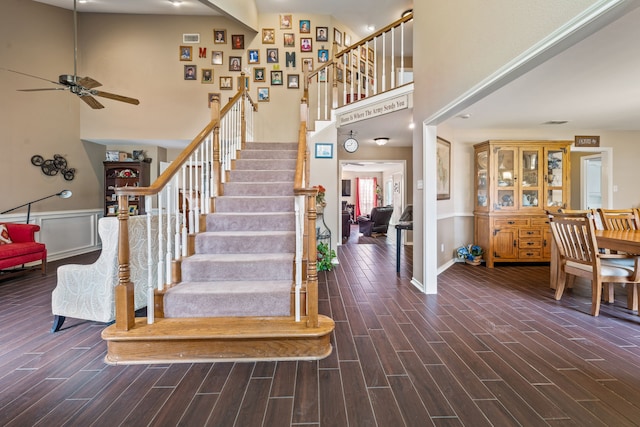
(351,144)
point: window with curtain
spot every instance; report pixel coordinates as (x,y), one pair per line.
(366,195)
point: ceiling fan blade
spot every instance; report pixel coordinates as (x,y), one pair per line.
(38,90)
(31,75)
(88,82)
(91,102)
(115,97)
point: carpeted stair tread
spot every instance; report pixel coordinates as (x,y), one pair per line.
(258,189)
(209,267)
(229,298)
(255,204)
(264,164)
(271,146)
(251,221)
(261,176)
(268,154)
(255,242)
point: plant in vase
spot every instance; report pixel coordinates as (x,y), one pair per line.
(325,257)
(320,201)
(471,254)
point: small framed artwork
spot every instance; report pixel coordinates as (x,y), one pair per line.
(190,72)
(207,75)
(322,34)
(254,56)
(322,75)
(289,40)
(237,41)
(235,63)
(307,64)
(337,36)
(370,70)
(293,81)
(226,83)
(371,54)
(133,209)
(363,52)
(213,97)
(220,36)
(305,26)
(191,38)
(268,36)
(216,57)
(305,44)
(347,40)
(285,22)
(258,74)
(323,55)
(443,165)
(340,74)
(345,59)
(186,53)
(276,78)
(272,56)
(263,94)
(348,76)
(324,151)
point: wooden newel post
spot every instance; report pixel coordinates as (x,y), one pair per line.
(312,266)
(125,309)
(217,169)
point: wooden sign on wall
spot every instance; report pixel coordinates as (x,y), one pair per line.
(587,141)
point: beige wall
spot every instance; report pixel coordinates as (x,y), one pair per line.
(38,39)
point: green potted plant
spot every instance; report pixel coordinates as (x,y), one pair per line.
(325,257)
(471,254)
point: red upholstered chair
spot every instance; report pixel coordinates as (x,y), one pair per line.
(21,247)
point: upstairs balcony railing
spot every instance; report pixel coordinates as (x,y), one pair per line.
(376,64)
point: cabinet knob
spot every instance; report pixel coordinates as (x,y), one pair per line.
(511,222)
(515,243)
(529,243)
(529,232)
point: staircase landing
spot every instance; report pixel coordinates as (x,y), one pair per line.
(196,340)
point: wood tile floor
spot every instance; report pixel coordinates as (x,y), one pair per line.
(492,348)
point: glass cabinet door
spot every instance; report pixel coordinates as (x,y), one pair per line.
(555,178)
(530,181)
(505,166)
(482,178)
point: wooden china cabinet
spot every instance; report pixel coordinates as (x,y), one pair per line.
(515,183)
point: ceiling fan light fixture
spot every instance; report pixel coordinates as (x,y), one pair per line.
(381,141)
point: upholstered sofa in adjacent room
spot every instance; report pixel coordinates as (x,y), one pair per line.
(87,291)
(376,222)
(18,246)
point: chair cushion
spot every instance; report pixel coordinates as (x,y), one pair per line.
(15,250)
(607,268)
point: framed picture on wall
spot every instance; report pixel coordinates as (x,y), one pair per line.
(220,36)
(443,166)
(324,151)
(346,187)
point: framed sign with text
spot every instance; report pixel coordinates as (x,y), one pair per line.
(587,141)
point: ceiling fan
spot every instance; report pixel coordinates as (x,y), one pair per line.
(84,87)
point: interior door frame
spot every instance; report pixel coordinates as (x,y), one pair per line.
(607,169)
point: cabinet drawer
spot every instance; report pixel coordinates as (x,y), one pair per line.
(530,232)
(537,222)
(530,243)
(530,254)
(511,222)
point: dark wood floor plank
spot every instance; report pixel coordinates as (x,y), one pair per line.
(216,378)
(406,397)
(305,403)
(518,406)
(279,413)
(389,360)
(333,411)
(148,407)
(422,348)
(462,372)
(359,410)
(254,404)
(497,414)
(228,404)
(385,409)
(371,367)
(198,412)
(284,379)
(344,345)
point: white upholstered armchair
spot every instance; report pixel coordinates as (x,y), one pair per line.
(87,291)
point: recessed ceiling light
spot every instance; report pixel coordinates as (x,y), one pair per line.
(371,27)
(556,122)
(412,125)
(464,116)
(175,2)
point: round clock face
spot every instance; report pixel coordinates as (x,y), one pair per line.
(351,145)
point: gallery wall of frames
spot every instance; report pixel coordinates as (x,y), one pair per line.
(274,58)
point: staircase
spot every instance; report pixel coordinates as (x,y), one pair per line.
(235,298)
(243,265)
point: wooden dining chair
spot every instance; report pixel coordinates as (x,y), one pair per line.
(578,253)
(622,219)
